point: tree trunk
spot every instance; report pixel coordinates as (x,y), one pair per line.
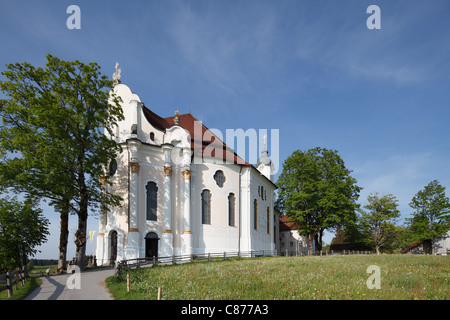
(310,244)
(378,249)
(80,235)
(63,238)
(319,243)
(80,242)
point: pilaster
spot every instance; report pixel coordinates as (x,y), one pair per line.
(187,233)
(166,242)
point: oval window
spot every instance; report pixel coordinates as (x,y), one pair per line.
(220,178)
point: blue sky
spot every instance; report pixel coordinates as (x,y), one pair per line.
(311,69)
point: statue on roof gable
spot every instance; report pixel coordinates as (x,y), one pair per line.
(116,75)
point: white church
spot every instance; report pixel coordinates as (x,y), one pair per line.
(185,191)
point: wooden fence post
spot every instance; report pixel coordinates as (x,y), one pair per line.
(128,282)
(159,293)
(22,273)
(17,278)
(25,273)
(9,284)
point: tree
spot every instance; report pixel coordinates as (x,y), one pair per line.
(22,229)
(39,169)
(53,124)
(432,216)
(317,192)
(378,221)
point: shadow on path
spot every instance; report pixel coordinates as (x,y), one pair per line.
(59,288)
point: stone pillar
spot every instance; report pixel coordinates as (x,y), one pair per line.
(187,233)
(166,242)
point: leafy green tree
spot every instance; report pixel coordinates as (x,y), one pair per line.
(317,192)
(53,139)
(22,229)
(378,221)
(432,216)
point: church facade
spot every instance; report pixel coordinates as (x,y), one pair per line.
(185,191)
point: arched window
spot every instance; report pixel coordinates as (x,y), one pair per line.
(268,219)
(220,178)
(152,193)
(255,214)
(231,210)
(206,207)
(112,167)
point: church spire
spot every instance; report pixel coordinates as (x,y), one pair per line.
(264,164)
(264,158)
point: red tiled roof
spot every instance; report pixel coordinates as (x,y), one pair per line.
(187,121)
(415,244)
(154,119)
(286,224)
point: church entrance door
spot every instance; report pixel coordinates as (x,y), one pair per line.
(151,245)
(113,255)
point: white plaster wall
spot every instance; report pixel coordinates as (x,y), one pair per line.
(132,110)
(217,236)
(442,244)
(260,238)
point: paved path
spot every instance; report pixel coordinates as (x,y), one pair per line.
(92,287)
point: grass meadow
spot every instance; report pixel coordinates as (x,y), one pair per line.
(402,277)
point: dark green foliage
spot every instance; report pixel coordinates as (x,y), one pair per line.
(432,216)
(316,191)
(22,229)
(52,138)
(377,222)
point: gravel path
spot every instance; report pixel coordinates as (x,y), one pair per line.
(64,287)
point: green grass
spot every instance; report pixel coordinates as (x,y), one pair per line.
(285,278)
(23,291)
(35,272)
(32,283)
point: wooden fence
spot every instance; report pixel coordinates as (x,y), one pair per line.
(292,253)
(11,279)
